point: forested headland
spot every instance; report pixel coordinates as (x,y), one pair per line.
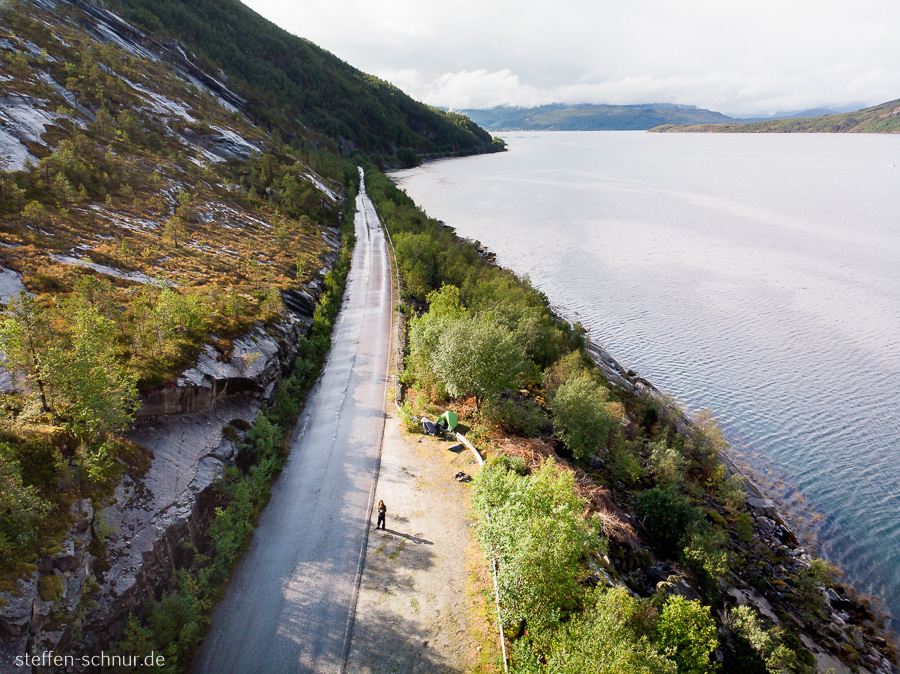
(592,117)
(290,84)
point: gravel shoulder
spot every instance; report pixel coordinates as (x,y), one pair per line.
(424,601)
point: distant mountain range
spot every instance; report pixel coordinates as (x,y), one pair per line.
(559,117)
(884,118)
(590,117)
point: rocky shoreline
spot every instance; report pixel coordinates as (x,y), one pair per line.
(852,629)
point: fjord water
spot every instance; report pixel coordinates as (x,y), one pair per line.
(754,275)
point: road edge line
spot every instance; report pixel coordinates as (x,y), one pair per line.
(351,618)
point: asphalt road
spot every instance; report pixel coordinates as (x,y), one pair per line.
(289,606)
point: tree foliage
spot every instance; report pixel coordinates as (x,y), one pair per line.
(611,636)
(24,335)
(477,356)
(88,387)
(667,514)
(21,509)
(759,649)
(533,525)
(686,632)
(580,415)
(462,354)
(68,357)
(618,632)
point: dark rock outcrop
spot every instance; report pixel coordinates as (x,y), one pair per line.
(255,362)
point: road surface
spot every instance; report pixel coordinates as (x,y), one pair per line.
(289,606)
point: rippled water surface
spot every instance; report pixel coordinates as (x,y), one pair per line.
(756,275)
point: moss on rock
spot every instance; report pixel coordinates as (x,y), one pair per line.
(50,587)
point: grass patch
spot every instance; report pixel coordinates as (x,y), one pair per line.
(392,556)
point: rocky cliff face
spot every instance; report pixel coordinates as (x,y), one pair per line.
(151,525)
(122,551)
(257,359)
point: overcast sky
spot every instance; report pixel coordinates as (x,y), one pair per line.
(740,58)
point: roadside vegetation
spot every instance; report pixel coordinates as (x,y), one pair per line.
(621,541)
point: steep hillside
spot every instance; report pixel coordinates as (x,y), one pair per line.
(884,118)
(160,254)
(118,164)
(591,117)
(291,84)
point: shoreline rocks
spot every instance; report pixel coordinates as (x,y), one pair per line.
(851,631)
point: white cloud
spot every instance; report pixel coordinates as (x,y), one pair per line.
(732,92)
(483,89)
(733,57)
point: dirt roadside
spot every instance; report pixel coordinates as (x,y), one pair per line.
(424,602)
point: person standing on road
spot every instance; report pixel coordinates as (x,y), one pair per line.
(382,511)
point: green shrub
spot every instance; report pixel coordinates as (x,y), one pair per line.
(282,405)
(618,632)
(667,464)
(608,638)
(817,575)
(173,626)
(571,366)
(667,516)
(758,649)
(514,463)
(533,526)
(624,464)
(519,416)
(39,459)
(409,417)
(22,510)
(36,213)
(743,526)
(686,632)
(705,444)
(580,416)
(705,552)
(732,492)
(477,356)
(264,437)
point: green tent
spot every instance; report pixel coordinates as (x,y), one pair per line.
(447,420)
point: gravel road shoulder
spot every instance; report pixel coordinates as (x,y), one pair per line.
(424,602)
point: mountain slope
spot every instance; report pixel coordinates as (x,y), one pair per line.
(290,83)
(591,117)
(884,118)
(159,253)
